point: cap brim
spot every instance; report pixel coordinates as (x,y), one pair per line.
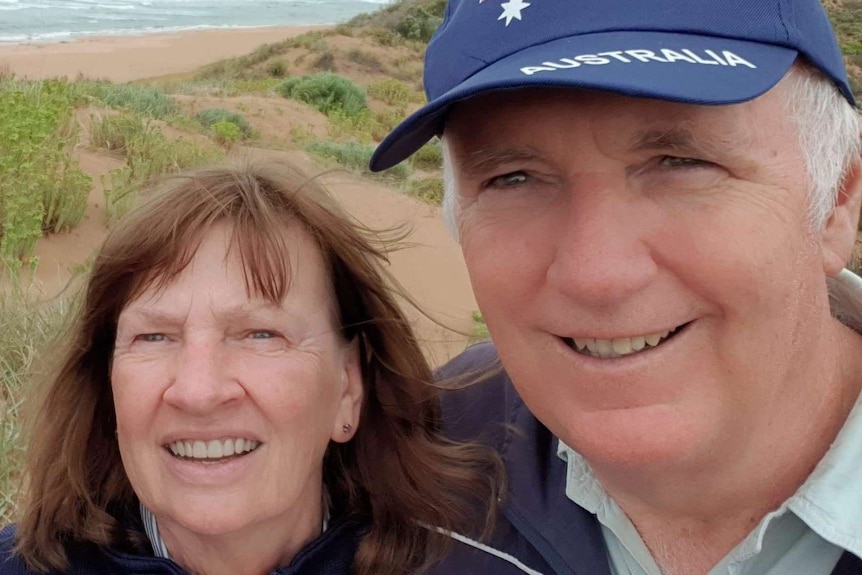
(705,74)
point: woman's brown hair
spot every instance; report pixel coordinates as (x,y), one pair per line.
(398,470)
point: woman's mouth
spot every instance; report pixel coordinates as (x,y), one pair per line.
(212,451)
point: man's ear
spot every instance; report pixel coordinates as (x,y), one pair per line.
(839,234)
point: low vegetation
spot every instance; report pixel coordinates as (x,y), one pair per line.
(27,326)
(145,101)
(429,190)
(480,329)
(327,92)
(210,117)
(355,155)
(42,188)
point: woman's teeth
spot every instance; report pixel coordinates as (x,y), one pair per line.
(214,449)
(612,348)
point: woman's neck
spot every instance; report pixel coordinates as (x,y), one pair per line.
(254,550)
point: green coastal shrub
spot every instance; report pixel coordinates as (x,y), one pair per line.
(327,92)
(361,127)
(115,131)
(146,101)
(211,116)
(277,68)
(429,156)
(429,190)
(150,154)
(391,91)
(42,188)
(226,133)
(419,25)
(354,155)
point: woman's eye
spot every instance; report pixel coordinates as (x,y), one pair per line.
(508,180)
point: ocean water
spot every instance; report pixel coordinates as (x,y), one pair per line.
(24,21)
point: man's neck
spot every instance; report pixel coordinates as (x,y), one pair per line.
(690,517)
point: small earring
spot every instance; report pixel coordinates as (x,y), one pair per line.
(346,428)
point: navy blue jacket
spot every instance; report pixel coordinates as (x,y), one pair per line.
(541,530)
(330,554)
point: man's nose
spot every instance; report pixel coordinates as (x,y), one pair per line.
(601,257)
(201,381)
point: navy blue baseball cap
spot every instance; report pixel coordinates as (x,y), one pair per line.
(694,51)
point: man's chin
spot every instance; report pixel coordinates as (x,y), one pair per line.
(642,438)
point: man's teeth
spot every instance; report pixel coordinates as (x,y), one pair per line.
(610,348)
(213,449)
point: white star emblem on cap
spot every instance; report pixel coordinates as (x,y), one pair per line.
(512,10)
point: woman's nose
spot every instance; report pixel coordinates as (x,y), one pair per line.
(201,380)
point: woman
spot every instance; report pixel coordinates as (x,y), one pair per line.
(242,395)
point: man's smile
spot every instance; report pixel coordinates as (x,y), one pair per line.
(621,346)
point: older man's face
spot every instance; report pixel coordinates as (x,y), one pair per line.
(644,267)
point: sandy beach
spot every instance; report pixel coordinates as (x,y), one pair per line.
(127,58)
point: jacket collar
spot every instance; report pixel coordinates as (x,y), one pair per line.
(538,506)
(330,554)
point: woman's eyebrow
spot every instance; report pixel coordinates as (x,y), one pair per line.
(246,311)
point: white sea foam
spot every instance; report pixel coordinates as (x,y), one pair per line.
(58,20)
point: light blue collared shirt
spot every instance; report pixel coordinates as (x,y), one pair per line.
(805,536)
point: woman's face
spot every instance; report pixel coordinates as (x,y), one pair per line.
(225,404)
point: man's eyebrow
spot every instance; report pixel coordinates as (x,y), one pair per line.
(678,140)
(483,161)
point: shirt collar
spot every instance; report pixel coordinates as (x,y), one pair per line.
(151,528)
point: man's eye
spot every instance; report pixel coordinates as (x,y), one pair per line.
(262,334)
(508,180)
(677,162)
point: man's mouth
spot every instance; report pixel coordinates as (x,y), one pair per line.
(212,451)
(620,347)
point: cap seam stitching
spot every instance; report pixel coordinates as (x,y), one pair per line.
(784,24)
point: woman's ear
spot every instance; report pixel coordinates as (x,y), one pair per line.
(352,391)
(839,233)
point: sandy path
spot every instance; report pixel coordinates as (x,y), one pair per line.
(126,58)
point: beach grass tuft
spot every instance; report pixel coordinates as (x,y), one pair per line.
(211,116)
(27,327)
(429,156)
(327,92)
(393,92)
(149,154)
(355,155)
(429,190)
(144,100)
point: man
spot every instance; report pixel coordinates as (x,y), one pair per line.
(651,198)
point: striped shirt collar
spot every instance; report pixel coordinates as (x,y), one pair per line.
(151,528)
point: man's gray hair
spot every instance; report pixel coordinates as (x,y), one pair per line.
(829,135)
